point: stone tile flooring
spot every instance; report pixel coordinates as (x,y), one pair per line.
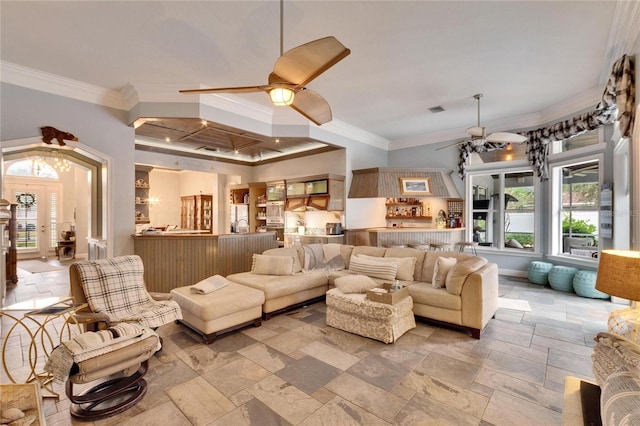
(295,370)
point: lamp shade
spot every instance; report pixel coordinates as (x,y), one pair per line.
(281,96)
(619,274)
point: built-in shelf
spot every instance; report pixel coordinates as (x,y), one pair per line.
(409,217)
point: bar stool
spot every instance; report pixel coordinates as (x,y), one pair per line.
(463,244)
(440,246)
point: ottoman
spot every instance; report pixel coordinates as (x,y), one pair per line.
(584,284)
(220,311)
(380,321)
(561,277)
(538,272)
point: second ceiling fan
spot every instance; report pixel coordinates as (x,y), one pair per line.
(293,70)
(479,134)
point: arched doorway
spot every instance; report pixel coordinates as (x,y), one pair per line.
(76,198)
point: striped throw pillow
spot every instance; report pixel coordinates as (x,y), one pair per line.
(385,271)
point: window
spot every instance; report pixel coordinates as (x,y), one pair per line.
(576,202)
(34,167)
(503,211)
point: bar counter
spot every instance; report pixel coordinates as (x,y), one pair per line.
(387,237)
(174,259)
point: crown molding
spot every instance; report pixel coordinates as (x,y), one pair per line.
(54,84)
(580,102)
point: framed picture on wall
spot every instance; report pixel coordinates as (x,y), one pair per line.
(415,186)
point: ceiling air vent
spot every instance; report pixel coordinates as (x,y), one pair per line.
(436,109)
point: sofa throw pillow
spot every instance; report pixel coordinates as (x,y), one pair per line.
(619,399)
(288,252)
(441,269)
(406,265)
(272,265)
(385,271)
(458,274)
(355,284)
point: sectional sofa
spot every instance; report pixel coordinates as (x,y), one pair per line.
(467,287)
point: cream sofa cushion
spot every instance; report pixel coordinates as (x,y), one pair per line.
(440,271)
(369,251)
(355,284)
(272,265)
(458,274)
(430,262)
(406,265)
(419,255)
(362,266)
(296,252)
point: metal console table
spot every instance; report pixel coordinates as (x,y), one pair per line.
(44,322)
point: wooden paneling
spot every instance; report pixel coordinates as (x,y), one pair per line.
(235,252)
(385,182)
(172,261)
(388,238)
(356,237)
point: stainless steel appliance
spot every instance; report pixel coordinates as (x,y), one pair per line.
(275,213)
(333,228)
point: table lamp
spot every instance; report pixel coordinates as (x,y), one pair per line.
(619,275)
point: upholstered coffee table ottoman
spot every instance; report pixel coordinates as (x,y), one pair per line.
(379,321)
(220,311)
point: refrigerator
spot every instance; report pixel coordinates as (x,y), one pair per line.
(240,218)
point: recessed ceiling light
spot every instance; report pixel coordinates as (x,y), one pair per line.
(204,123)
(277,140)
(167,139)
(235,151)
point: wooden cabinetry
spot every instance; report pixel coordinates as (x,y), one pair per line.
(258,207)
(254,196)
(142,194)
(196,212)
(12,250)
(325,192)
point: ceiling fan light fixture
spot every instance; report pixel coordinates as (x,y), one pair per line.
(281,96)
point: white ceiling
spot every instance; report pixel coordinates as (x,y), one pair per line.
(524,56)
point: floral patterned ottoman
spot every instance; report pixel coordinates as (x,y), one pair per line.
(379,321)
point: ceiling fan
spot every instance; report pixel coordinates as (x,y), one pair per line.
(479,134)
(293,70)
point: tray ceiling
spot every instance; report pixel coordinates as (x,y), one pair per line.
(194,137)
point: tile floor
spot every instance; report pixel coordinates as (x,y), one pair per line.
(295,370)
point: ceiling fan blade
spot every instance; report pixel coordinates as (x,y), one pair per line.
(506,137)
(450,145)
(241,89)
(302,64)
(313,106)
(477,132)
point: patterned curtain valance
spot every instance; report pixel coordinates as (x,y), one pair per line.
(619,95)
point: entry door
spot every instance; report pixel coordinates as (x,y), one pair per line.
(36,217)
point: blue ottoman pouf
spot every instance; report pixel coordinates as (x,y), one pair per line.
(584,284)
(538,272)
(561,277)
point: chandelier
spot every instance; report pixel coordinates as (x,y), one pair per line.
(61,164)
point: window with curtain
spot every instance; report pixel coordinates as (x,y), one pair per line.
(503,210)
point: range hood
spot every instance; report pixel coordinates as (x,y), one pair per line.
(384,182)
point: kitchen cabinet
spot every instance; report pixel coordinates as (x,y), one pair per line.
(196,212)
(253,195)
(325,192)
